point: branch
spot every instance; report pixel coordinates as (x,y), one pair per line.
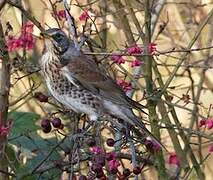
(71,23)
(4,99)
(197,34)
(27,15)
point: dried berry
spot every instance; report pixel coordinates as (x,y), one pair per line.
(41,97)
(46,126)
(45,123)
(103,178)
(99,159)
(99,174)
(110,156)
(114,171)
(61,126)
(47,130)
(56,122)
(122,177)
(96,168)
(136,170)
(110,142)
(91,142)
(82,177)
(126,172)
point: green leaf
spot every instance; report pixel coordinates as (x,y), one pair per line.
(12,158)
(23,122)
(32,146)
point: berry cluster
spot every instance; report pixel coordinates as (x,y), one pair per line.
(103,163)
(46,124)
(25,40)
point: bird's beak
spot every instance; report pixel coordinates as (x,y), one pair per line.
(45,35)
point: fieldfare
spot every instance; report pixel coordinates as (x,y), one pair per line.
(77,82)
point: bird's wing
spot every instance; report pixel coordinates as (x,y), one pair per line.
(86,72)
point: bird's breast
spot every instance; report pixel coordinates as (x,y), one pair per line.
(65,91)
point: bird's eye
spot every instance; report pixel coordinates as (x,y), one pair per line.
(58,37)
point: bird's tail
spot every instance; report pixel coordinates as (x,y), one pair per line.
(136,105)
(135,121)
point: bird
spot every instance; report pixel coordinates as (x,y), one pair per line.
(77,82)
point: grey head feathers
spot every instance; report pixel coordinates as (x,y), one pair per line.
(63,46)
(59,39)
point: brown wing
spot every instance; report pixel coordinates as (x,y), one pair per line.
(92,78)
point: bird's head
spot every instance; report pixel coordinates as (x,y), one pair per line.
(56,39)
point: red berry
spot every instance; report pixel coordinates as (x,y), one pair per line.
(110,142)
(126,172)
(56,122)
(91,142)
(82,177)
(136,170)
(41,97)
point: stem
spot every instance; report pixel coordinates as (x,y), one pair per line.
(4,101)
(200,28)
(123,22)
(160,163)
(166,118)
(71,23)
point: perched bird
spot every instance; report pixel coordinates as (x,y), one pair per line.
(77,82)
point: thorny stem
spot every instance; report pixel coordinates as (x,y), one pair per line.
(178,149)
(123,21)
(71,23)
(196,99)
(4,100)
(160,163)
(202,25)
(27,14)
(165,116)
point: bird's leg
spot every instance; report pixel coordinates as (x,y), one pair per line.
(126,133)
(122,126)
